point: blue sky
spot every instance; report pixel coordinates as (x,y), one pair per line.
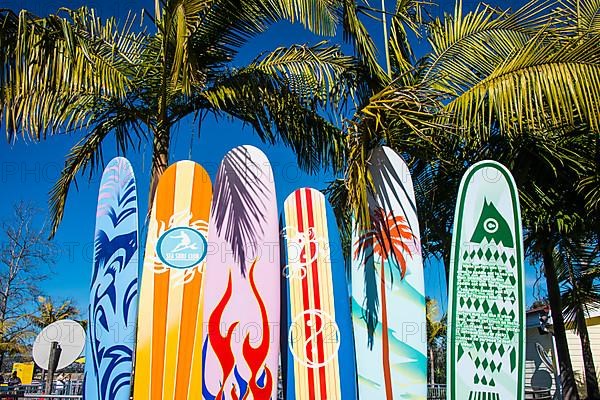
(28,170)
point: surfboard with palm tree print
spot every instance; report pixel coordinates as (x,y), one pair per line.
(388,295)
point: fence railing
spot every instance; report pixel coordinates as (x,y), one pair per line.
(436,392)
(51,396)
(538,394)
(64,388)
(73,390)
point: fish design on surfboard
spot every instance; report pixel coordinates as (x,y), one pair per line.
(486,301)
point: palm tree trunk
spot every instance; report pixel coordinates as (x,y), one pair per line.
(591,381)
(162,131)
(431,365)
(387,374)
(567,378)
(446,260)
(160,160)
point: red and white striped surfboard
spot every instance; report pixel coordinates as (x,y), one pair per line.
(319,352)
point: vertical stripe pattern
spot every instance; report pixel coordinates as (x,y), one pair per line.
(313,335)
(168,358)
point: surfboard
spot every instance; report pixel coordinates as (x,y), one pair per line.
(242,284)
(317,346)
(114,287)
(388,294)
(169,341)
(486,303)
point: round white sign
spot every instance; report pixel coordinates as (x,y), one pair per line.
(69,335)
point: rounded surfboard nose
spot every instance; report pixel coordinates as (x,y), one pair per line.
(486,303)
(242,285)
(114,287)
(169,340)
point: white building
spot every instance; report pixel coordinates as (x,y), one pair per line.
(540,352)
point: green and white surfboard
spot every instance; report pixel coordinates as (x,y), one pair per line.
(486,333)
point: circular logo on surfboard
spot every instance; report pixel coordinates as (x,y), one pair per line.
(181,247)
(314,338)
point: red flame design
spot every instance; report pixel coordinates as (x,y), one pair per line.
(255,357)
(222,344)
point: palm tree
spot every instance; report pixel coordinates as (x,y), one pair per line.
(389,239)
(576,263)
(436,329)
(49,312)
(554,210)
(496,84)
(72,71)
(13,339)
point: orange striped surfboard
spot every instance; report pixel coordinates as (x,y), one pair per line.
(168,361)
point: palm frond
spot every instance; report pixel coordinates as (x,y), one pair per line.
(396,115)
(87,155)
(579,17)
(48,312)
(318,73)
(408,15)
(469,47)
(436,186)
(60,58)
(180,19)
(541,87)
(277,114)
(239,203)
(228,24)
(574,261)
(590,188)
(436,326)
(401,53)
(318,16)
(356,33)
(337,195)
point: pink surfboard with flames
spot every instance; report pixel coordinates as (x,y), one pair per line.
(242,281)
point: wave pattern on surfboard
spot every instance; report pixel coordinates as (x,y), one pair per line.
(114,288)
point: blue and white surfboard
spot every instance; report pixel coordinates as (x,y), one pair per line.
(114,288)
